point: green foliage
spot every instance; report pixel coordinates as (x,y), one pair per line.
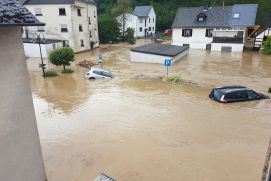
(62,56)
(67,71)
(108,29)
(130,35)
(166,9)
(267,46)
(174,79)
(269,90)
(50,73)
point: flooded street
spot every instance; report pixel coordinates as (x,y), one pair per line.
(139,128)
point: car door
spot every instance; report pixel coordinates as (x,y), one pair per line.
(236,96)
(253,95)
(98,74)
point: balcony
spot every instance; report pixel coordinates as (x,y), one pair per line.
(236,40)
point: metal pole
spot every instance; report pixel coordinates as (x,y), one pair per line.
(42,65)
(167,71)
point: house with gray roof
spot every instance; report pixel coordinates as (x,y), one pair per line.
(142,20)
(220,28)
(74,22)
(21,155)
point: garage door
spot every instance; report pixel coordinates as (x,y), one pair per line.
(226,49)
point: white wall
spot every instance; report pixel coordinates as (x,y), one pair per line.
(50,16)
(130,22)
(20,150)
(149,23)
(197,41)
(151,58)
(33,50)
(235,47)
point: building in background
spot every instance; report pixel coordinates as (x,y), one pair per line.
(142,20)
(221,28)
(20,149)
(74,22)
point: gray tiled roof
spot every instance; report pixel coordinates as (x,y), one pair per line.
(55,1)
(160,49)
(216,16)
(12,13)
(142,11)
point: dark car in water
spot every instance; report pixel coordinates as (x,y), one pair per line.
(229,94)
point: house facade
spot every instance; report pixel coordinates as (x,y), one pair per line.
(74,22)
(21,155)
(142,20)
(221,28)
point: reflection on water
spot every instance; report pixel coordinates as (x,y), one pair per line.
(136,127)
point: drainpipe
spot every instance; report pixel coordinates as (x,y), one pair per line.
(88,19)
(72,6)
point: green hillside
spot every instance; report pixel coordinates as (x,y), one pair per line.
(166,9)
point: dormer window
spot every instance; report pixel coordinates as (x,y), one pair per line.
(201,17)
(236,15)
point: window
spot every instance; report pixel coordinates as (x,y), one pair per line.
(64,28)
(62,12)
(186,45)
(236,15)
(140,29)
(79,12)
(65,43)
(152,28)
(94,14)
(209,33)
(82,43)
(40,28)
(187,32)
(149,28)
(38,12)
(80,28)
(149,20)
(90,35)
(201,19)
(252,94)
(89,21)
(153,20)
(140,20)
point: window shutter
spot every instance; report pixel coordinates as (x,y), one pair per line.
(182,32)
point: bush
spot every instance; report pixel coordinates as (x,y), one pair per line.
(67,71)
(175,79)
(62,57)
(129,35)
(267,45)
(50,73)
(269,90)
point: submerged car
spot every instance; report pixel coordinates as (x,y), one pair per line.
(229,94)
(98,74)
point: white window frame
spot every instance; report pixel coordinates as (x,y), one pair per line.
(63,26)
(38,12)
(236,15)
(40,28)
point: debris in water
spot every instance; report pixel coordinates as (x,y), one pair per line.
(87,64)
(104,177)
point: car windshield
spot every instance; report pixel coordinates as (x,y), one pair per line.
(217,95)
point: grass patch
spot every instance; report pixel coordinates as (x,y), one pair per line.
(174,79)
(67,71)
(269,90)
(50,73)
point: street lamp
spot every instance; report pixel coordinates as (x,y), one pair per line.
(40,38)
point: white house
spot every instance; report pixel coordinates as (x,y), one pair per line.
(142,20)
(20,149)
(74,22)
(221,28)
(262,35)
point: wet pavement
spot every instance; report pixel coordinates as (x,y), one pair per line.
(137,127)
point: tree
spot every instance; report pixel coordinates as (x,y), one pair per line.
(130,35)
(122,7)
(267,45)
(108,29)
(62,57)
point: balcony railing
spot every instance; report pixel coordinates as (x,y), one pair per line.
(227,40)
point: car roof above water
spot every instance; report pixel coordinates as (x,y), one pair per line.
(228,89)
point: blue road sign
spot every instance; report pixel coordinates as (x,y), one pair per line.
(167,62)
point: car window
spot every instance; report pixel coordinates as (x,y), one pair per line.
(237,95)
(242,94)
(107,74)
(232,95)
(217,95)
(97,72)
(252,94)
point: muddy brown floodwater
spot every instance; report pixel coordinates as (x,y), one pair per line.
(138,128)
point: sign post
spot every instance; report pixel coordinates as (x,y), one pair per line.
(100,60)
(167,64)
